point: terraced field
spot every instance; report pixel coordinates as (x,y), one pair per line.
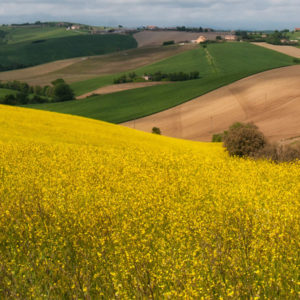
(94,210)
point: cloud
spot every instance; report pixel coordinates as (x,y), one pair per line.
(215,13)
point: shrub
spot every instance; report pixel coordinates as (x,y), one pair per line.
(279,153)
(58,81)
(217,138)
(166,43)
(9,100)
(156,130)
(243,140)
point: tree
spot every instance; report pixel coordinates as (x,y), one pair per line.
(132,75)
(10,100)
(58,81)
(243,139)
(62,92)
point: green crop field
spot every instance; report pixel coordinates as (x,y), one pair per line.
(42,51)
(218,64)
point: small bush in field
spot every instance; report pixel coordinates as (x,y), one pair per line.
(156,130)
(217,138)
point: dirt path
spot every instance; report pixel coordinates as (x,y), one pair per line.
(121,87)
(288,50)
(270,99)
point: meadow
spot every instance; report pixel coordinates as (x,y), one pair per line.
(94,210)
(30,53)
(218,64)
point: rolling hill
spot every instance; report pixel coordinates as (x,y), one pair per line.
(89,208)
(80,69)
(29,53)
(19,34)
(218,64)
(269,99)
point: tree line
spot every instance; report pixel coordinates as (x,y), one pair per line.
(26,94)
(157,76)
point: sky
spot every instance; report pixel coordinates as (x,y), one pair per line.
(218,14)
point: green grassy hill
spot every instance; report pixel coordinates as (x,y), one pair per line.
(36,52)
(219,65)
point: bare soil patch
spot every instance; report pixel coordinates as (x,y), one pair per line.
(288,50)
(121,87)
(270,99)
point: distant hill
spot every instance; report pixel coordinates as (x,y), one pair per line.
(42,50)
(218,64)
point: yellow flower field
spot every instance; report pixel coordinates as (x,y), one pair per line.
(90,210)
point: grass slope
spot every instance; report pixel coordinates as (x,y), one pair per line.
(34,53)
(219,64)
(90,209)
(4,92)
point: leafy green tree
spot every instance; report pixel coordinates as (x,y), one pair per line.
(62,92)
(58,81)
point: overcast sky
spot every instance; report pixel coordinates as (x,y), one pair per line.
(222,14)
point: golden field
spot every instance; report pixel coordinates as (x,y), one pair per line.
(91,210)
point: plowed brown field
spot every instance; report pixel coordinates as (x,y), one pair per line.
(288,50)
(270,99)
